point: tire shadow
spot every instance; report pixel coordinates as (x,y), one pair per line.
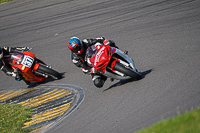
(122,82)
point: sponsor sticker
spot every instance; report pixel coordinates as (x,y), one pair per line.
(98,55)
(23,67)
(98,47)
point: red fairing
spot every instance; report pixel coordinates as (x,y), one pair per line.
(105,42)
(36,66)
(23,60)
(102,57)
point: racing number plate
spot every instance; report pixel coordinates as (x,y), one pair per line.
(27,61)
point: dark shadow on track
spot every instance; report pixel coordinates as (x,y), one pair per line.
(122,82)
(147,72)
(34,84)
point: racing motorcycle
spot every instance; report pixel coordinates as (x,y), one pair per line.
(111,62)
(31,68)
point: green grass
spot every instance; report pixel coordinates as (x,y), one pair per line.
(13,117)
(186,123)
(2,1)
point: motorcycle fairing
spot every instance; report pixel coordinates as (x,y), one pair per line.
(105,59)
(101,58)
(23,60)
(29,76)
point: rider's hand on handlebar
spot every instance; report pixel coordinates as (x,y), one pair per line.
(23,48)
(26,48)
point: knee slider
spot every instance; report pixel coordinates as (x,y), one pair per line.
(98,82)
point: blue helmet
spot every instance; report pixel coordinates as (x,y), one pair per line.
(75,45)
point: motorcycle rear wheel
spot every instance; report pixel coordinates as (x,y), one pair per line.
(48,71)
(121,68)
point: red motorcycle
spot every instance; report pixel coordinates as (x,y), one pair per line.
(111,62)
(30,67)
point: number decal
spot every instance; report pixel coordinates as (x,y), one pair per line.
(27,61)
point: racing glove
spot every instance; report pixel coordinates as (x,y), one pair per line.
(110,43)
(89,42)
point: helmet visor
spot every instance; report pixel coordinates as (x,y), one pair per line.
(76,49)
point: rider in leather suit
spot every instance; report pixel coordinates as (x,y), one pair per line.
(4,62)
(79,48)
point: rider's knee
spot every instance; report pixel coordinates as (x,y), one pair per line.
(99,82)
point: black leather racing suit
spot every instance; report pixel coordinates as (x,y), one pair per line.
(79,60)
(4,62)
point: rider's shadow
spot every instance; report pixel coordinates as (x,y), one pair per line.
(34,84)
(122,82)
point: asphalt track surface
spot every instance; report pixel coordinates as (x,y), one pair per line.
(162,36)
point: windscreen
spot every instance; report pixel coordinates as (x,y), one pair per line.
(16,58)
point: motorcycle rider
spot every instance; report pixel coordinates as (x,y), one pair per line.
(4,62)
(78,49)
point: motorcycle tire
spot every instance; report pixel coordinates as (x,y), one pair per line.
(121,68)
(50,72)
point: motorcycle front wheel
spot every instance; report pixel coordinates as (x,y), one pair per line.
(48,71)
(127,71)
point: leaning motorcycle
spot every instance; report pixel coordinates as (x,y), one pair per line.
(111,62)
(30,67)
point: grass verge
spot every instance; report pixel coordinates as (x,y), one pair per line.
(2,1)
(186,123)
(13,117)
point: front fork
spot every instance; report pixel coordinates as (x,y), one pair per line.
(113,64)
(122,62)
(35,68)
(128,65)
